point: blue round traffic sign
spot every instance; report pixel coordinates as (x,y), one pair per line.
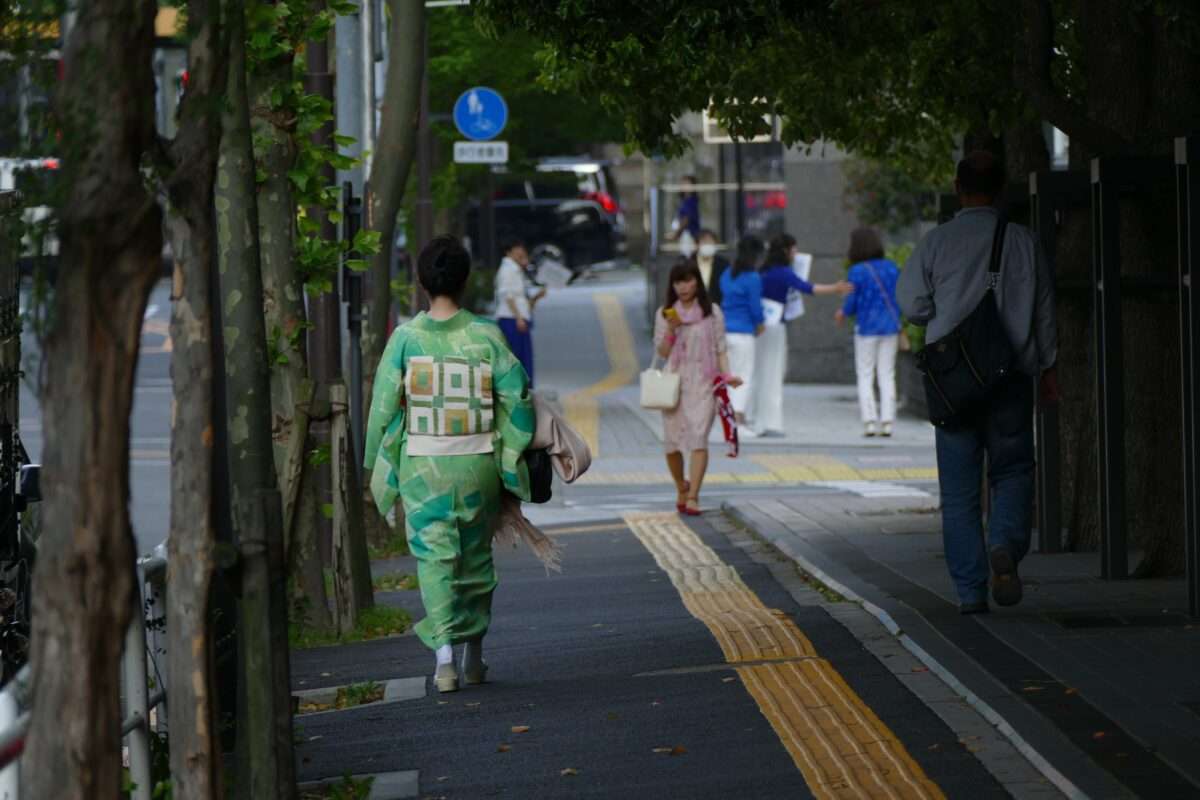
(480,113)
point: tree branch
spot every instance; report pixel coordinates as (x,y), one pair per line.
(1033,74)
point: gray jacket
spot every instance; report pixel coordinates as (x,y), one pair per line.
(946,277)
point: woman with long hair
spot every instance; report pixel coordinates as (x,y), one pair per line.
(765,415)
(741,292)
(450,419)
(876,328)
(689,332)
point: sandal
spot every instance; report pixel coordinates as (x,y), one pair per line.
(682,507)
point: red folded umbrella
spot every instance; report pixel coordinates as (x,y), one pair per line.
(725,410)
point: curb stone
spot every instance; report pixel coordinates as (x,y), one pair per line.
(384,785)
(395,690)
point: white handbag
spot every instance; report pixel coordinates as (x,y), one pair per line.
(660,389)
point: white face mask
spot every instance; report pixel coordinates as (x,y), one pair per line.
(708,250)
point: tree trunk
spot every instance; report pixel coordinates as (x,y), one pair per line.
(110,232)
(395,150)
(265,764)
(1133,65)
(286,323)
(192,699)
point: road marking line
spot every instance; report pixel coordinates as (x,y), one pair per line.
(838,743)
(582,408)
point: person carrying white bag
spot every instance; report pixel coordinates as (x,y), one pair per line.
(779,280)
(689,332)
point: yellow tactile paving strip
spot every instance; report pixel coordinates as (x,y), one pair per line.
(796,468)
(582,408)
(840,746)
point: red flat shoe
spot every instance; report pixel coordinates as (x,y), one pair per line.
(682,507)
(692,512)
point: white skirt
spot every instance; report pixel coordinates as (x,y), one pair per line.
(741,347)
(770,368)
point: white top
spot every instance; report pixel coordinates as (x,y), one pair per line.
(510,283)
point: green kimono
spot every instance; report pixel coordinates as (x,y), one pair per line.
(450,419)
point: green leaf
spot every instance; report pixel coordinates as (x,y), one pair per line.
(366,242)
(344,141)
(327,510)
(299,178)
(356,264)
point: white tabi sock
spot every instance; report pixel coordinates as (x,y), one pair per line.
(445,654)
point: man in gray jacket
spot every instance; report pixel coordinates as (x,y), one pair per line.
(942,283)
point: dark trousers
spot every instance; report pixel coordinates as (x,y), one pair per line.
(520,343)
(1004,431)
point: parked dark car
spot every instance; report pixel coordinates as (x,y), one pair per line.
(566,211)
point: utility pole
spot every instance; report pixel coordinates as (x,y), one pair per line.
(424,210)
(349,105)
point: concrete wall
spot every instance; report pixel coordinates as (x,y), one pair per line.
(820,352)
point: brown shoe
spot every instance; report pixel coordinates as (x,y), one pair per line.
(1006,583)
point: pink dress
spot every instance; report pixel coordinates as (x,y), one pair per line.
(686,428)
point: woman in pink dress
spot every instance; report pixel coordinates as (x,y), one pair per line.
(689,331)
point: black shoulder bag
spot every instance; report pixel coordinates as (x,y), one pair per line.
(962,369)
(541,475)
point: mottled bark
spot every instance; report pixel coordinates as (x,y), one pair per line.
(395,150)
(265,764)
(286,322)
(110,230)
(191,696)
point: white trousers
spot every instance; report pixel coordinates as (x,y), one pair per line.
(876,356)
(741,347)
(770,367)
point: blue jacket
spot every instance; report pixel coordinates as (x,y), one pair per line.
(741,300)
(877,314)
(778,279)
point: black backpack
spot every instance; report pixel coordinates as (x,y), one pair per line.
(963,369)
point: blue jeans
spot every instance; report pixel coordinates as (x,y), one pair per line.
(1004,431)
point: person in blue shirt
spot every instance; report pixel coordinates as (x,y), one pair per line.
(686,225)
(779,277)
(741,293)
(876,330)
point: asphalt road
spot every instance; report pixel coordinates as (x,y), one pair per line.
(150,439)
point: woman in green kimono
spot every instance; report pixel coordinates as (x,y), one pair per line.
(450,418)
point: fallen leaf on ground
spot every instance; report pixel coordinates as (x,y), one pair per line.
(569,771)
(443,778)
(1070,691)
(920,669)
(662,750)
(472,705)
(678,750)
(1032,689)
(935,747)
(728,680)
(1099,735)
(520,728)
(504,748)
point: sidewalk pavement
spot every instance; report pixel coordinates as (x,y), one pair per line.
(1096,682)
(823,443)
